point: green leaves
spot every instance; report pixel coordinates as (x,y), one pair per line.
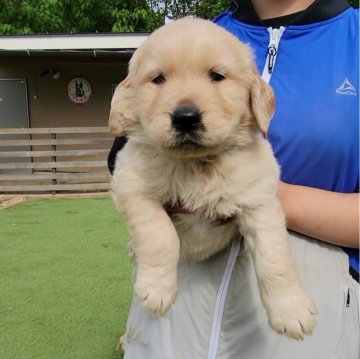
(29,16)
(138,19)
(63,16)
(206,9)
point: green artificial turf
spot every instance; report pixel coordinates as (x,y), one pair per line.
(65,279)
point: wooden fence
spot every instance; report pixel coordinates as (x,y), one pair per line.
(54,160)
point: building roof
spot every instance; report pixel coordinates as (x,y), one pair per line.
(100,45)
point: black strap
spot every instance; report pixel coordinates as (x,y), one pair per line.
(118,144)
(354,274)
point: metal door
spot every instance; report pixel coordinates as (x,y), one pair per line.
(13,103)
(14,113)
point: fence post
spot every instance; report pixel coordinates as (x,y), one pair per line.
(53,158)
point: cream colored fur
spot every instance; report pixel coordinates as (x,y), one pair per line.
(229,171)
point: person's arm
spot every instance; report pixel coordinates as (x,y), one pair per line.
(329,216)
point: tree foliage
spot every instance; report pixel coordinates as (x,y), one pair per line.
(60,16)
(64,16)
(206,9)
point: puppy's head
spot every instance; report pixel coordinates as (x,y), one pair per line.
(192,90)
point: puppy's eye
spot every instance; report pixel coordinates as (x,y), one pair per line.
(216,76)
(158,80)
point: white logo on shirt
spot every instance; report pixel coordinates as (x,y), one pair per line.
(346,89)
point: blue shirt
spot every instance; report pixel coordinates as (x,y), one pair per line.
(315,129)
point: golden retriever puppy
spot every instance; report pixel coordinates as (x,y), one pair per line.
(195,110)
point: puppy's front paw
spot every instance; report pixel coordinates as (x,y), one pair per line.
(156,291)
(290,312)
(121,343)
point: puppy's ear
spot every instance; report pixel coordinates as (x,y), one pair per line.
(122,113)
(262,101)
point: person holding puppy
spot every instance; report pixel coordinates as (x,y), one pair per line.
(308,52)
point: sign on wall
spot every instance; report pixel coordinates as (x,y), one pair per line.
(79,90)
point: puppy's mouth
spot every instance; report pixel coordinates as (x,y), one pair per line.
(188,140)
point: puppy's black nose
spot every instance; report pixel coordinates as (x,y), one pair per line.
(186,119)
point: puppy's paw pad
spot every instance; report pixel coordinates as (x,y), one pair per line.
(293,327)
(121,343)
(292,316)
(156,297)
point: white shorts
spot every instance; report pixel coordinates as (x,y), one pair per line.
(218,313)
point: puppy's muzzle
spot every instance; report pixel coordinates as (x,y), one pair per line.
(186,119)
